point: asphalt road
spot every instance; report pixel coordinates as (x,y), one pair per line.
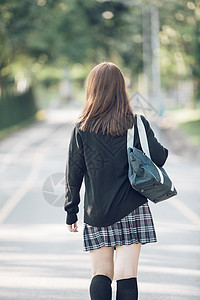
(41,260)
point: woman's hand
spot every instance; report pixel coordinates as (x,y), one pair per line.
(73,227)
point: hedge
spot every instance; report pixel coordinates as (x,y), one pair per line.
(16,108)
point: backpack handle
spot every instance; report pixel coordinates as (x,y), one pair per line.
(142,136)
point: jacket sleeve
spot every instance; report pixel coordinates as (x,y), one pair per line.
(158,153)
(75,168)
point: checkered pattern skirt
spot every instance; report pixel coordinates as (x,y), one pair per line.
(137,227)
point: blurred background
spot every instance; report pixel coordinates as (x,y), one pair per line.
(47,49)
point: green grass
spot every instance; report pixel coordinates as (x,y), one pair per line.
(188,121)
(192,128)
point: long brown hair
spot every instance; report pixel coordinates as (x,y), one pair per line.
(107,104)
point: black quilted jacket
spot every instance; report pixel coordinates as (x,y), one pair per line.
(101,160)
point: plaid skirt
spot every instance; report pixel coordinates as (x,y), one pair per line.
(137,227)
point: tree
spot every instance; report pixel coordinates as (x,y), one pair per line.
(180,43)
(42,36)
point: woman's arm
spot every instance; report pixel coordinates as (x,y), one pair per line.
(158,153)
(75,169)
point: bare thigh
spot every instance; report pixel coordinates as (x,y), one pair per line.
(126,261)
(102,261)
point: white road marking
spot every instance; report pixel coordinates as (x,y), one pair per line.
(187,212)
(24,188)
(28,183)
(23,143)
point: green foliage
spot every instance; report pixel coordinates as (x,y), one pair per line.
(180,42)
(68,32)
(40,38)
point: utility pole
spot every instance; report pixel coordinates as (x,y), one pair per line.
(151,52)
(146,34)
(155,45)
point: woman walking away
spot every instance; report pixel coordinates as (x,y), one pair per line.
(116,217)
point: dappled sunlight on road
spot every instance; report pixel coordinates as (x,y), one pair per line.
(166,290)
(46,257)
(40,259)
(63,115)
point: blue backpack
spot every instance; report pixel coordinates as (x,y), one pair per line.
(144,175)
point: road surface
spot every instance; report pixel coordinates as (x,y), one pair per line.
(41,260)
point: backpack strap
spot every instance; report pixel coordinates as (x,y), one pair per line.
(143,136)
(130,137)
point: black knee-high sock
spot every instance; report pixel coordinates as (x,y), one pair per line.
(127,289)
(100,288)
